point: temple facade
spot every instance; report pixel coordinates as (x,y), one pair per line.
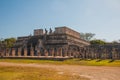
(61,42)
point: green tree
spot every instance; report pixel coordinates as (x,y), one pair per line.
(87,36)
(97,42)
(2,45)
(115,42)
(9,42)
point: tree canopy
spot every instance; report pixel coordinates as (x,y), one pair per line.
(8,42)
(87,36)
(97,42)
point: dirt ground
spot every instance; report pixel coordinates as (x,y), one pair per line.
(91,72)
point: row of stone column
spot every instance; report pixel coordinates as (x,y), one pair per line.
(98,53)
(53,52)
(85,53)
(36,52)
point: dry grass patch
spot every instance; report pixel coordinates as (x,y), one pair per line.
(30,73)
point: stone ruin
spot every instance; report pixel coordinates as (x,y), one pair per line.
(63,42)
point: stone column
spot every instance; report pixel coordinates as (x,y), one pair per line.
(57,52)
(46,52)
(38,53)
(113,53)
(3,53)
(19,51)
(74,53)
(31,51)
(0,53)
(60,52)
(50,54)
(105,54)
(69,53)
(92,53)
(25,51)
(52,51)
(7,52)
(13,51)
(65,52)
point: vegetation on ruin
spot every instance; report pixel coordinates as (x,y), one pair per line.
(86,62)
(8,42)
(30,73)
(97,42)
(87,36)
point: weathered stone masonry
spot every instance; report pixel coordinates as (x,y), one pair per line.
(63,42)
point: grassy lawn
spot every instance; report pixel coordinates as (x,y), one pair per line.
(29,73)
(68,62)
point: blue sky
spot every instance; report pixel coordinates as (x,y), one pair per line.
(21,17)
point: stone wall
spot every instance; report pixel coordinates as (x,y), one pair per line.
(99,52)
(54,52)
(66,30)
(38,32)
(89,52)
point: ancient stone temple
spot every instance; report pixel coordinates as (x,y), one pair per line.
(61,42)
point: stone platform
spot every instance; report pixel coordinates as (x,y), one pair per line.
(57,58)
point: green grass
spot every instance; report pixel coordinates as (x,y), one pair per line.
(94,62)
(29,73)
(89,62)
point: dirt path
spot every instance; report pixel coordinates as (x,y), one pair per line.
(92,72)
